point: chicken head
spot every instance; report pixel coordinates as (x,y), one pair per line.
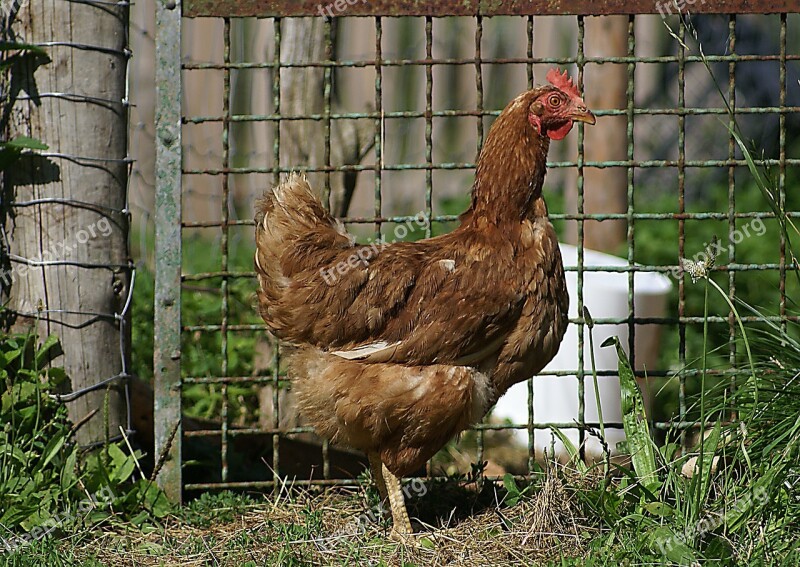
(556,109)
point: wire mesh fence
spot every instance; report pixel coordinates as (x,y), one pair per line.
(392,137)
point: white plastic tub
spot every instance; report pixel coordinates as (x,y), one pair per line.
(555,398)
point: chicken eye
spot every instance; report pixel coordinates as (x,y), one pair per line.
(555,101)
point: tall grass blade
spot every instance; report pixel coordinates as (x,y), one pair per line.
(710,445)
(783,220)
(634,421)
(574,454)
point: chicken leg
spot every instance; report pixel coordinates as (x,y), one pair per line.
(390,488)
(376,467)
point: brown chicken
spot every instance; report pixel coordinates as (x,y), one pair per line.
(400,347)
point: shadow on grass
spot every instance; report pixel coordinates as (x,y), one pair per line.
(449,502)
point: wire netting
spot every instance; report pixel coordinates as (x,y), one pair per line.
(658,175)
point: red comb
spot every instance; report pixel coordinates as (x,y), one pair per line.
(563,82)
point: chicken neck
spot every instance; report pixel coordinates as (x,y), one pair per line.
(509,175)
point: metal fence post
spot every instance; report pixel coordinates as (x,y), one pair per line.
(167,336)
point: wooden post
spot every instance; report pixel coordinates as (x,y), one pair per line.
(302,93)
(606,190)
(68,224)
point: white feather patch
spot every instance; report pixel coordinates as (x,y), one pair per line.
(379,351)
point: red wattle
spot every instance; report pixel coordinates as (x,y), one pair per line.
(560,133)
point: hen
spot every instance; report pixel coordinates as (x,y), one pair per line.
(401,347)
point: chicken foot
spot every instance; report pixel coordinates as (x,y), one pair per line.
(401,525)
(390,488)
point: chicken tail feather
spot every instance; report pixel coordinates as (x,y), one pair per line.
(295,235)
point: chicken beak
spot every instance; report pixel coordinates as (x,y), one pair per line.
(583,114)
